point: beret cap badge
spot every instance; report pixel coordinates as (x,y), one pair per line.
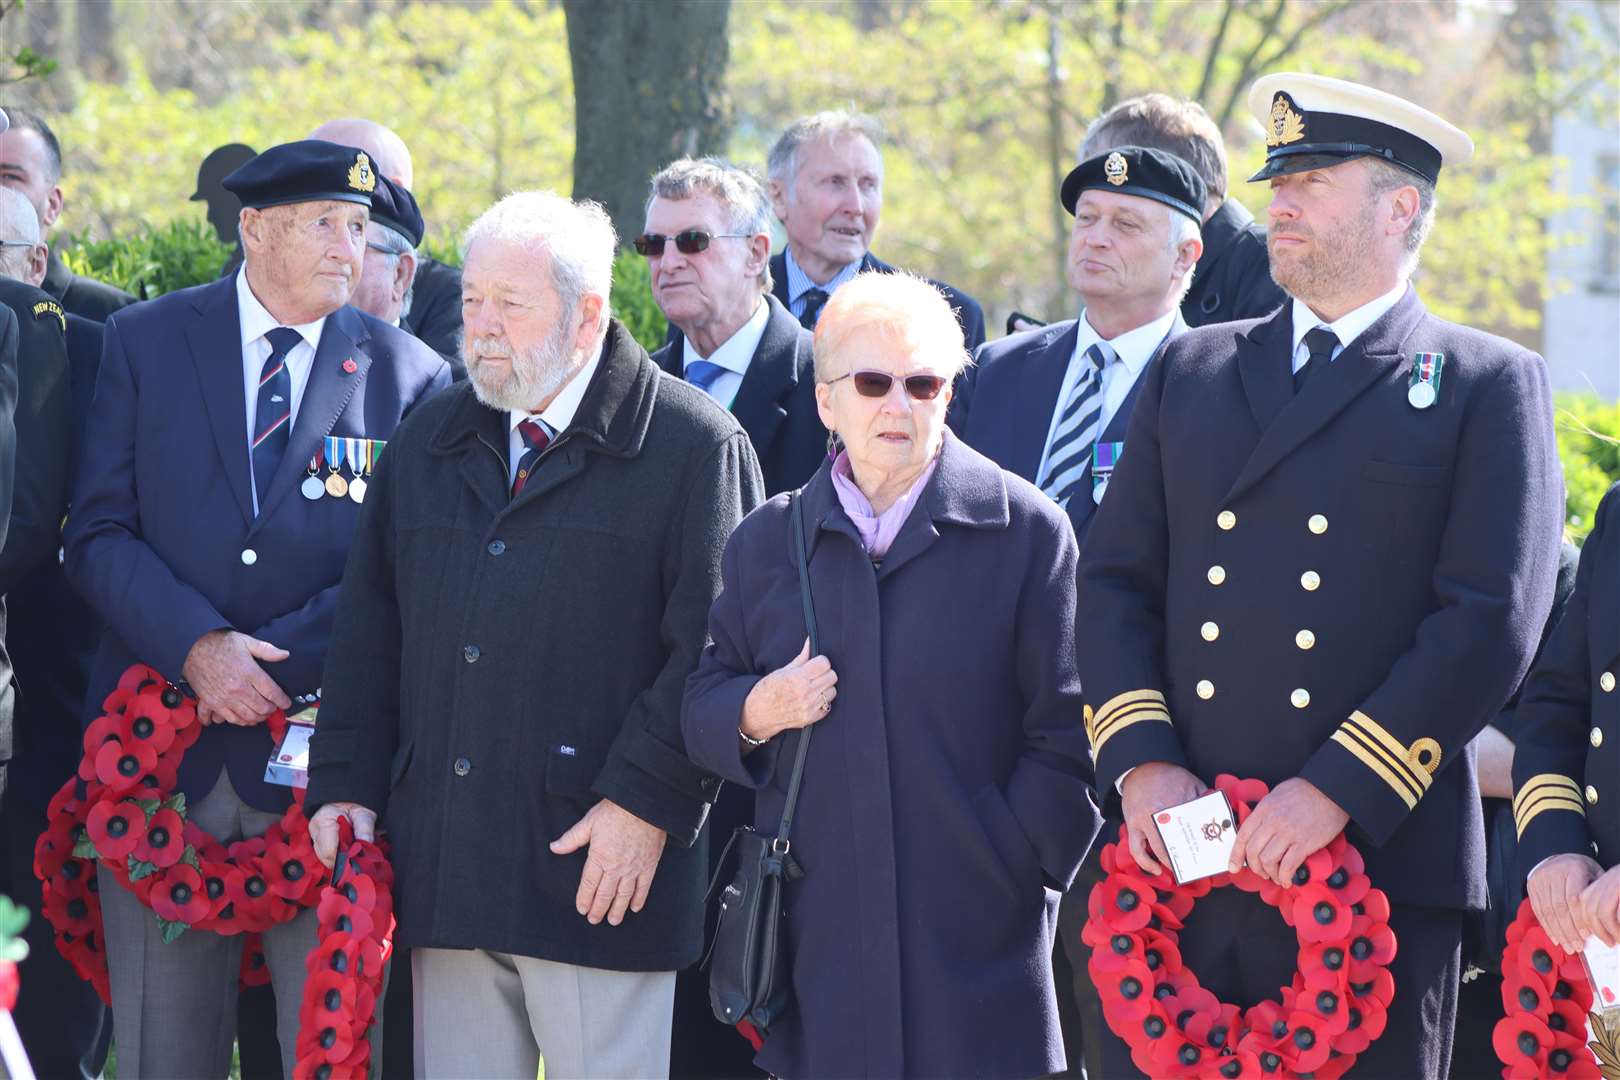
(1116,169)
(361,177)
(1287,126)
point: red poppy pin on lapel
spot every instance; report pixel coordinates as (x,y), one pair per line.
(350,367)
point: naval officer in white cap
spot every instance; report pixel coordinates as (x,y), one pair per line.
(1324,564)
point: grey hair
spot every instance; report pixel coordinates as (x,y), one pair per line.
(577,238)
(1162,122)
(396,244)
(782,164)
(736,189)
(1182,229)
(18,222)
(1382,178)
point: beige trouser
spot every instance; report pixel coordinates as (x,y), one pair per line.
(493,1015)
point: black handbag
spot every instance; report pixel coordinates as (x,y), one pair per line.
(748,971)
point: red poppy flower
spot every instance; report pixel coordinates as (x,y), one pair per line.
(1124,902)
(1242,1065)
(68,913)
(160,780)
(181,897)
(1375,905)
(138,677)
(164,841)
(244,851)
(1108,955)
(221,918)
(255,970)
(1130,989)
(1241,791)
(103,729)
(148,721)
(120,764)
(1318,914)
(1520,1040)
(1372,946)
(288,874)
(116,828)
(1324,965)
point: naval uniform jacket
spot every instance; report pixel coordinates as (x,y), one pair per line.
(163,541)
(1334,585)
(1566,767)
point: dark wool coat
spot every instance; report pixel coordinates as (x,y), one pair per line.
(1232,280)
(944,799)
(500,665)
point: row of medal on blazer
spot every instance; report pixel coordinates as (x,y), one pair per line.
(337,454)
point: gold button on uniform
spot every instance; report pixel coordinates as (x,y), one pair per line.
(1206,689)
(1210,631)
(1591,795)
(1226,519)
(1300,698)
(1606,680)
(1310,580)
(1305,639)
(1217,574)
(1596,738)
(1317,524)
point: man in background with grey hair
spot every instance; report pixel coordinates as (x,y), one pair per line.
(530,588)
(826,186)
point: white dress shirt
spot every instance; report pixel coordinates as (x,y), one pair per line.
(554,418)
(1127,355)
(1348,327)
(256,322)
(734,354)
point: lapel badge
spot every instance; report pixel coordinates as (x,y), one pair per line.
(1287,126)
(350,367)
(361,177)
(1104,456)
(1116,169)
(1423,387)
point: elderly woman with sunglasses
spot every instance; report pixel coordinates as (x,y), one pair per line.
(945,798)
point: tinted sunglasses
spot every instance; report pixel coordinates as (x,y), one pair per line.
(689,242)
(876,384)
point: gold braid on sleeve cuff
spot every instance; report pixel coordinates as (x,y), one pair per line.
(1545,791)
(1121,711)
(1408,770)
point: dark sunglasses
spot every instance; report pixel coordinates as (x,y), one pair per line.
(876,384)
(689,242)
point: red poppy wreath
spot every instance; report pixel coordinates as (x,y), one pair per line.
(120,808)
(1546,998)
(1335,1007)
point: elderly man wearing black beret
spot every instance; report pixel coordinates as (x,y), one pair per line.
(388,275)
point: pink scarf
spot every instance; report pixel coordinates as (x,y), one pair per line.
(877,530)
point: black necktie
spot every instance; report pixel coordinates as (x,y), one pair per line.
(814,301)
(1320,343)
(272,417)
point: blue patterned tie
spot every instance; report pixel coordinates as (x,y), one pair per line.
(1069,459)
(703,373)
(272,417)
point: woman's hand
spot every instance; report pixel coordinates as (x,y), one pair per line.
(793,696)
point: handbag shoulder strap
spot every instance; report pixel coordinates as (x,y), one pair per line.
(803,559)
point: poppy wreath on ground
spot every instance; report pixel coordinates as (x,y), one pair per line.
(1336,1005)
(1546,999)
(121,809)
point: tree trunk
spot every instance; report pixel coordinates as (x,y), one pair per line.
(98,52)
(649,87)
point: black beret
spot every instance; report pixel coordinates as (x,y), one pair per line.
(1141,171)
(309,170)
(393,205)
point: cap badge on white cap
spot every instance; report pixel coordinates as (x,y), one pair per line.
(1116,169)
(1287,126)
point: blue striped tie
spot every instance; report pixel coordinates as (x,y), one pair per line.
(1068,461)
(703,373)
(272,417)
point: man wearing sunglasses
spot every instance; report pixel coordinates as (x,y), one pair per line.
(708,246)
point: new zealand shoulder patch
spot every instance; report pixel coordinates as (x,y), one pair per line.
(51,307)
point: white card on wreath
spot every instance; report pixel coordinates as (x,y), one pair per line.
(1603,971)
(1198,836)
(289,762)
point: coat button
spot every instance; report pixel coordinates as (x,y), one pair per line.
(1300,698)
(462,766)
(1596,738)
(1591,795)
(1217,574)
(1317,524)
(497,547)
(1226,520)
(249,557)
(1210,631)
(1310,580)
(1205,688)
(471,653)
(1305,639)
(1606,680)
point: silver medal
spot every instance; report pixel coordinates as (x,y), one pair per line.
(1421,395)
(312,488)
(1097,492)
(357,490)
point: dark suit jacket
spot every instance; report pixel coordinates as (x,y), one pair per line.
(8,466)
(968,311)
(1418,548)
(1232,280)
(83,296)
(163,514)
(776,403)
(435,314)
(1004,410)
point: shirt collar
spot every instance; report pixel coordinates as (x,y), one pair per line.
(556,417)
(738,349)
(799,283)
(1346,327)
(1133,348)
(256,320)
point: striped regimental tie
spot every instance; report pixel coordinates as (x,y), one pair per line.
(272,417)
(1068,461)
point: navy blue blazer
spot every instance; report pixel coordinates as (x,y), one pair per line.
(162,527)
(1331,584)
(776,403)
(968,311)
(1003,405)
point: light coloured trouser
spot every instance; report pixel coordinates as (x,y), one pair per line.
(493,1015)
(174,1005)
